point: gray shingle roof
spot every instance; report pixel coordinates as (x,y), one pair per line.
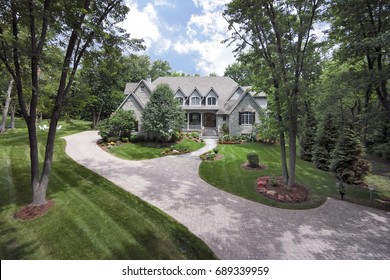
(223,86)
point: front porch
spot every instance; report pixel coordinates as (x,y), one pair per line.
(206,122)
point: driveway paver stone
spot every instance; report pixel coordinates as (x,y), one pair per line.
(233,227)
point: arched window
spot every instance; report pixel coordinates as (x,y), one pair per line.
(195,100)
(211,100)
(180,99)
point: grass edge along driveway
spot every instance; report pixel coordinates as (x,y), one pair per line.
(226,174)
(92,218)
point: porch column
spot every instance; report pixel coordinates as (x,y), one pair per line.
(188,121)
(201,120)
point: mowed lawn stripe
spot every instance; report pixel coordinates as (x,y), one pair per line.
(92,218)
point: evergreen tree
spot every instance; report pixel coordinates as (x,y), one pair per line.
(325,143)
(163,115)
(348,161)
(307,138)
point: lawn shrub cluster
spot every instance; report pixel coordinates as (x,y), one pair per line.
(236,139)
(253,159)
(208,156)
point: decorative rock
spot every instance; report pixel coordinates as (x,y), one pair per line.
(288,198)
(262,190)
(281,198)
(271,192)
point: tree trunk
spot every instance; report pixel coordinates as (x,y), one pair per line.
(6,106)
(293,131)
(12,123)
(283,155)
(94,123)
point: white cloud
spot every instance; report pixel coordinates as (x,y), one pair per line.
(204,35)
(163,3)
(145,24)
(210,5)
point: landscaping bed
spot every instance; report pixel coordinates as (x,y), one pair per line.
(274,188)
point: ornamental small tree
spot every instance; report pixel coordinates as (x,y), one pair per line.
(325,143)
(121,123)
(162,116)
(348,161)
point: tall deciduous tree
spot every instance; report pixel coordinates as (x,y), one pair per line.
(24,34)
(280,38)
(240,73)
(361,27)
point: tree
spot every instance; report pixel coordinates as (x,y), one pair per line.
(279,36)
(160,68)
(240,73)
(7,103)
(325,142)
(348,161)
(307,138)
(25,30)
(361,29)
(162,115)
(121,123)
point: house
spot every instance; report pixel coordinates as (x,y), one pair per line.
(208,102)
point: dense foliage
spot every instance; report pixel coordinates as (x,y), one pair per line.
(162,117)
(120,124)
(348,161)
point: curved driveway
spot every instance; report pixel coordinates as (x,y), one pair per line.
(235,228)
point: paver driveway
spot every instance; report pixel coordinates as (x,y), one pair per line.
(235,228)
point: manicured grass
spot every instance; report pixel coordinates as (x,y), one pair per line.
(227,175)
(91,219)
(140,151)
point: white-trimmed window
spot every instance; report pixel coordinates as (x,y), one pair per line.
(180,99)
(211,100)
(142,88)
(246,118)
(195,100)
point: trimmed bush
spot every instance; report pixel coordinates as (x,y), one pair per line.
(225,129)
(215,150)
(133,138)
(253,159)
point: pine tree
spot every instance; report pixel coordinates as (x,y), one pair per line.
(307,138)
(325,143)
(348,161)
(162,116)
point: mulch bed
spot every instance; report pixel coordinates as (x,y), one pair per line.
(279,191)
(30,212)
(247,167)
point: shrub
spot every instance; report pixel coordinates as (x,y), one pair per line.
(208,156)
(119,124)
(134,138)
(225,129)
(141,138)
(215,150)
(253,159)
(125,139)
(194,135)
(176,136)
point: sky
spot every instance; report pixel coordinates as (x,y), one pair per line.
(186,33)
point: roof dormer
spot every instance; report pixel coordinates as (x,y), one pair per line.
(236,94)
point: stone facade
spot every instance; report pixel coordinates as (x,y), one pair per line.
(247,104)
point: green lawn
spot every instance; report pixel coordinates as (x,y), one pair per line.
(140,151)
(227,175)
(91,219)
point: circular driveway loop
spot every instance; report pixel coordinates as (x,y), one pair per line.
(235,228)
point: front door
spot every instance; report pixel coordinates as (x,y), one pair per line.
(210,120)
